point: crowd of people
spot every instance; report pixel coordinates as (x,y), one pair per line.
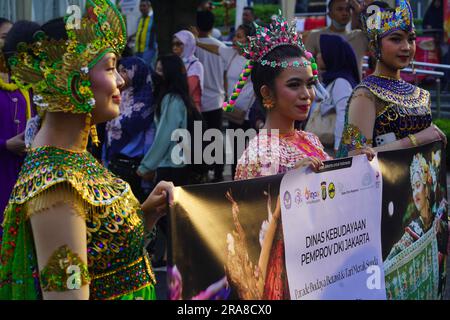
(61,90)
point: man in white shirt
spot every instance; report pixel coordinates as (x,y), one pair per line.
(213,94)
(340,15)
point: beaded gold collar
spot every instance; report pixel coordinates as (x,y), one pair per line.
(398,92)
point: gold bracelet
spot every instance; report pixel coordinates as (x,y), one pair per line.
(413,140)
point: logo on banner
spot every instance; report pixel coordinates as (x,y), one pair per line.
(331,190)
(298,197)
(311,196)
(323,186)
(287,200)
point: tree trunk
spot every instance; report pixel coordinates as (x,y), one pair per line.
(171,17)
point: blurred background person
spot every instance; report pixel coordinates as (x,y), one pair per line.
(146,46)
(171,111)
(234,63)
(131,134)
(213,94)
(183,45)
(5,26)
(341,75)
(15,109)
(339,11)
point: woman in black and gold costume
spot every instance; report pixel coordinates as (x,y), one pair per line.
(384,111)
(73,230)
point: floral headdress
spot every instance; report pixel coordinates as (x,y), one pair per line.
(420,166)
(279,33)
(57,70)
(379,22)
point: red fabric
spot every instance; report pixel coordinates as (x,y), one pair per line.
(276,286)
(312,23)
(195,91)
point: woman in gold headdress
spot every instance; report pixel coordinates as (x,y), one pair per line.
(384,111)
(72,229)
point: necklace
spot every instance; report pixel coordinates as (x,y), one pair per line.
(15,119)
(386,77)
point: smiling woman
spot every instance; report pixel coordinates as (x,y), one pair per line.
(283,80)
(384,111)
(74,230)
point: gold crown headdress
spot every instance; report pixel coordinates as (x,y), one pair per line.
(279,33)
(58,70)
(379,21)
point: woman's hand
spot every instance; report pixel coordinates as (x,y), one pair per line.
(430,134)
(156,201)
(441,134)
(368,151)
(314,163)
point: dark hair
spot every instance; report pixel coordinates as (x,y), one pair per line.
(266,75)
(55,29)
(205,20)
(174,81)
(248,29)
(250,9)
(330,4)
(21,31)
(4,21)
(127,52)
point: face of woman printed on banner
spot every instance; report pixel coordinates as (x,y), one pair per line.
(294,91)
(398,49)
(420,193)
(106,86)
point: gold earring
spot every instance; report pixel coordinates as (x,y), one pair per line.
(94,136)
(268,103)
(92,130)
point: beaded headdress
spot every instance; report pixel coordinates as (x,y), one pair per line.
(58,70)
(279,33)
(420,166)
(379,22)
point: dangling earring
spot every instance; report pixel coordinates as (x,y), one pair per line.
(268,103)
(94,136)
(92,129)
(413,66)
(378,54)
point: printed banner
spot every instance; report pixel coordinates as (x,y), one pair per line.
(414,273)
(414,202)
(337,240)
(332,230)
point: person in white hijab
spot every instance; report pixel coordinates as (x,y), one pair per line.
(184,45)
